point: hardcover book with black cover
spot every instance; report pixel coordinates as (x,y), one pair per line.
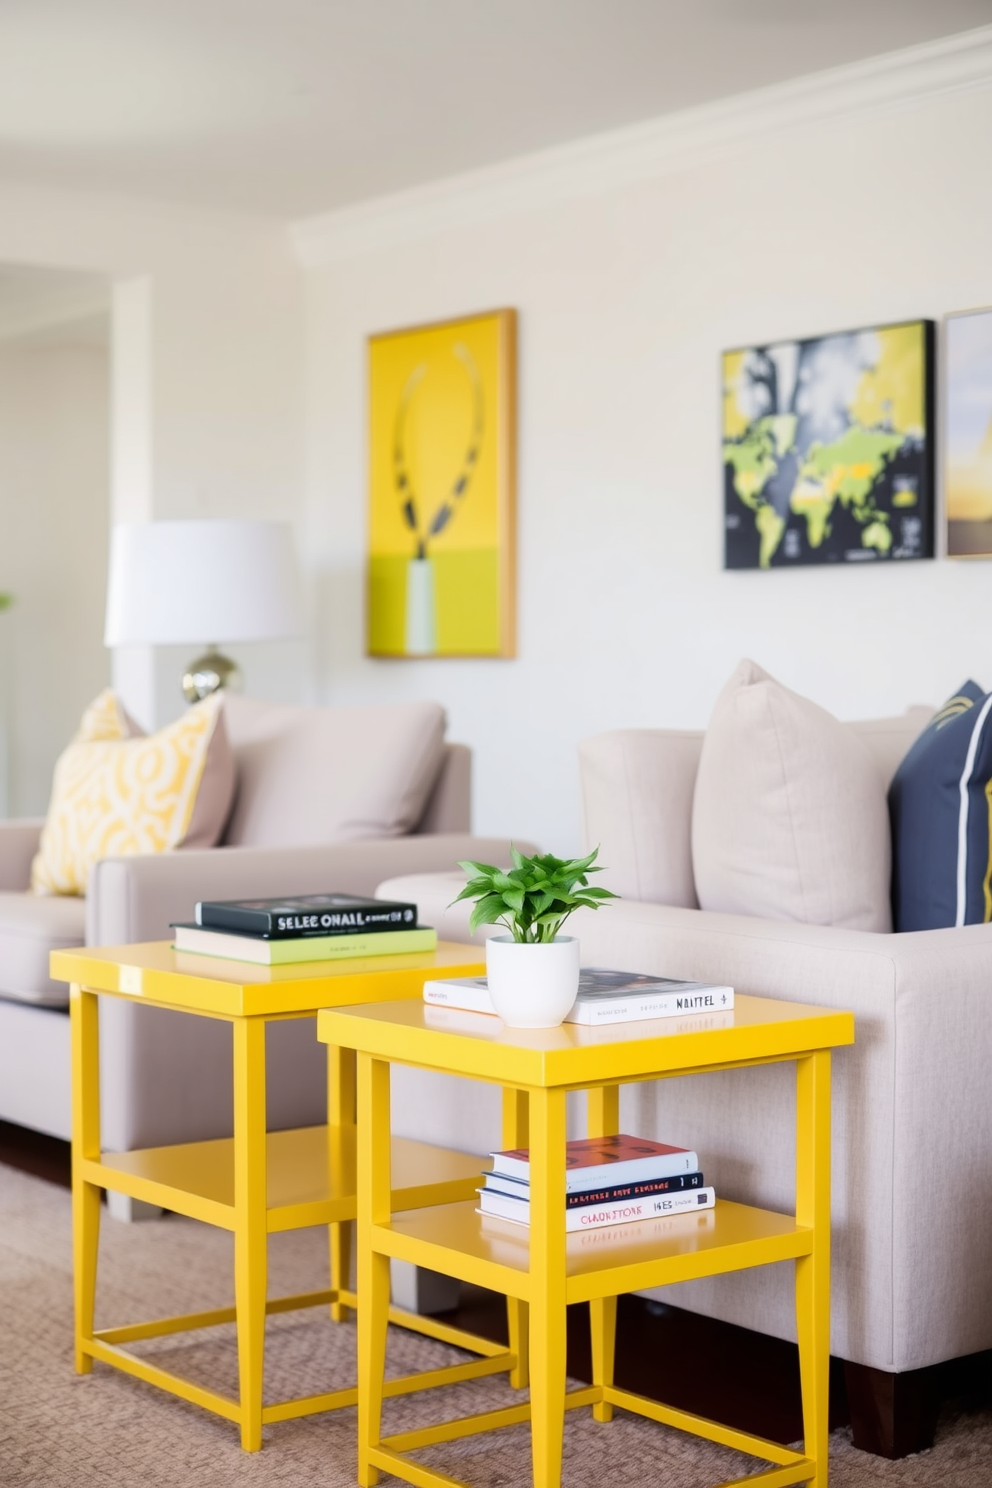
(616,1193)
(306,914)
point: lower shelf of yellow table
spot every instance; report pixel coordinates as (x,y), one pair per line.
(197,1178)
(456,1239)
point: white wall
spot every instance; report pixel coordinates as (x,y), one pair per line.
(728,228)
(54,443)
(208,375)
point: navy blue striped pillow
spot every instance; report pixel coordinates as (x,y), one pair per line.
(940,803)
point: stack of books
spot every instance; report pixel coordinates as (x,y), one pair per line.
(311,927)
(608,1181)
(603,997)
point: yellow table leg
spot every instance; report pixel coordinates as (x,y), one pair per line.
(515,1135)
(813,1271)
(374,1198)
(85,1040)
(250,1238)
(341,1154)
(603,1120)
(547,1270)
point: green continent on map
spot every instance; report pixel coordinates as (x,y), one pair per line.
(770,528)
(848,468)
(753,459)
(844,471)
(877,534)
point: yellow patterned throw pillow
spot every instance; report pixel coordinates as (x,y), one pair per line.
(117,792)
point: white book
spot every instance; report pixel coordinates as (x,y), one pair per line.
(599,1216)
(604,996)
(470,994)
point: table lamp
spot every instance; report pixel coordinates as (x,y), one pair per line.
(202,582)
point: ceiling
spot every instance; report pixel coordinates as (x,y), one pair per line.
(292,107)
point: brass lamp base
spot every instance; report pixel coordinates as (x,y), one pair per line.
(209,673)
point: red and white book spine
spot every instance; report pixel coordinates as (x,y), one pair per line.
(598,1217)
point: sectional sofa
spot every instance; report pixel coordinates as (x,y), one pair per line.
(912,1100)
(326,799)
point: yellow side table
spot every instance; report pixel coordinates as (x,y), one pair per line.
(256,1182)
(543,1268)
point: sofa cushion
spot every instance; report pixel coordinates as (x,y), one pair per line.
(637,789)
(939,802)
(316,775)
(789,815)
(115,794)
(30,927)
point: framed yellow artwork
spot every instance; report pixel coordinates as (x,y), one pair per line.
(442,497)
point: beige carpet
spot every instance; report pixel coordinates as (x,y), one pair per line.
(61,1431)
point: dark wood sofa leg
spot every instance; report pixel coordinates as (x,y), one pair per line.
(893,1415)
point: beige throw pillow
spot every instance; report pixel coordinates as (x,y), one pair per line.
(337,774)
(117,792)
(790,820)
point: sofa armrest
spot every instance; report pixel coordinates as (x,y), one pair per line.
(434,894)
(19,841)
(449,805)
(912,1118)
(135,899)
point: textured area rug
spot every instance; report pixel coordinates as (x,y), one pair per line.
(59,1430)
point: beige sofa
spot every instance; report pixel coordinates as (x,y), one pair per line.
(327,799)
(912,1124)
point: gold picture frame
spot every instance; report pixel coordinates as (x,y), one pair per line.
(968,433)
(442,489)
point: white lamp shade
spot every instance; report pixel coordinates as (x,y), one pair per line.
(202,582)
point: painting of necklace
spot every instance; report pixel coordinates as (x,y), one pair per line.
(441,489)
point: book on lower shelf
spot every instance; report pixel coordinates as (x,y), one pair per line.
(261,951)
(601,1216)
(602,1162)
(306,914)
(604,996)
(613,1193)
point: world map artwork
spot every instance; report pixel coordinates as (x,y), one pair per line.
(828,449)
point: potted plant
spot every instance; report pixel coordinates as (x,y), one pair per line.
(533,971)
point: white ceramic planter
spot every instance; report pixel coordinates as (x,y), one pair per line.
(532,986)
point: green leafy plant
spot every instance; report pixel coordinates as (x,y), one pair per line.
(535,897)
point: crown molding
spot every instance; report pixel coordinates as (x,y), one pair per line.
(645,152)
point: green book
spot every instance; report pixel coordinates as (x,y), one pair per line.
(233,947)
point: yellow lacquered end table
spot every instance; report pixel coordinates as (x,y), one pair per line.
(541,1268)
(255,1182)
